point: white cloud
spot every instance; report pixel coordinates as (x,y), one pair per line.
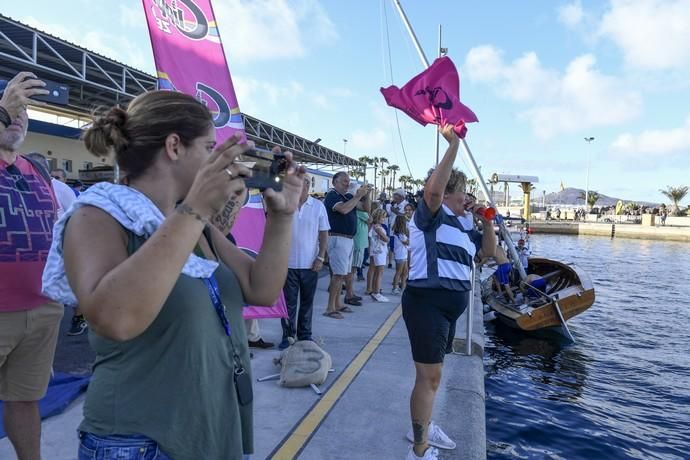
(366,141)
(117,47)
(272,29)
(571,15)
(577,99)
(653,34)
(657,143)
(132,16)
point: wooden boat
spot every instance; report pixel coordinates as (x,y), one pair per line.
(567,287)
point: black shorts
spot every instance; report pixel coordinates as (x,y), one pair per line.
(430,316)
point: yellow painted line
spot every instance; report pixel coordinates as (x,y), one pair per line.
(301,434)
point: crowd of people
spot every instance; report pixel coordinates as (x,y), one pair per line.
(150,265)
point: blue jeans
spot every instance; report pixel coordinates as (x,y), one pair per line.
(114,447)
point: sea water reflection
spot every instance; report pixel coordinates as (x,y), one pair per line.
(623,390)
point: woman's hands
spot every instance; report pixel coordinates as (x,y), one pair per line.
(219,178)
(286,201)
(449,134)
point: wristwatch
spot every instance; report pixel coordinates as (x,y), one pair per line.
(5,118)
(320,259)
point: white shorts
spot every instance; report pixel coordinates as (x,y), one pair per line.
(380,259)
(340,254)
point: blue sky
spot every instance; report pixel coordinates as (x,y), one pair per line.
(541,75)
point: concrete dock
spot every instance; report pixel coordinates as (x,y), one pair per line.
(625,230)
(363,412)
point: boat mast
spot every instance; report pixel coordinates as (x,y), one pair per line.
(505,234)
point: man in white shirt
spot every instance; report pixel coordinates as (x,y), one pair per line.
(307,251)
(64,194)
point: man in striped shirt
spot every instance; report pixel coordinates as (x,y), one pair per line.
(442,247)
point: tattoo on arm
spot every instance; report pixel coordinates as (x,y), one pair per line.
(187,210)
(418,428)
(226,217)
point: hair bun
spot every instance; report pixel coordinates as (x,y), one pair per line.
(108,132)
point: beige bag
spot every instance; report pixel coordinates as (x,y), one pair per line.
(302,364)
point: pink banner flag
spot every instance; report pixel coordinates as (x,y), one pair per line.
(433,96)
(189,58)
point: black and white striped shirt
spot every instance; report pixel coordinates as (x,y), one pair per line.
(441,249)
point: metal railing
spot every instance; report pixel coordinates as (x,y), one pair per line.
(470,312)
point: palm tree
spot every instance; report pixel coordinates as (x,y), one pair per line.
(382,161)
(394,169)
(405,180)
(675,194)
(357,173)
(592,198)
(368,161)
(384,173)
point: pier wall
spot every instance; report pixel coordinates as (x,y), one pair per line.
(636,231)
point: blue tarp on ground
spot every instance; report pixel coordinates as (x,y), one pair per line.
(62,390)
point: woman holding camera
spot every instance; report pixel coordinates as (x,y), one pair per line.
(161,289)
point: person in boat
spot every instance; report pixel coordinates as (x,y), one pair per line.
(438,289)
(523,253)
(534,286)
(502,274)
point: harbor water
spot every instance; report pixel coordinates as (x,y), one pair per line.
(623,389)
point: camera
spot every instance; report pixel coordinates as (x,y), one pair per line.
(58,93)
(268,169)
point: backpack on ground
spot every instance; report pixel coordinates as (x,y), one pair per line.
(302,364)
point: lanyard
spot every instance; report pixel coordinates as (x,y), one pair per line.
(214,294)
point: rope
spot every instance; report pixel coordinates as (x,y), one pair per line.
(390,65)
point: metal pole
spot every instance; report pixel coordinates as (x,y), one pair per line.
(505,234)
(408,26)
(437,133)
(468,155)
(589,141)
(470,314)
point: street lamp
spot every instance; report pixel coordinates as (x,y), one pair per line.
(589,141)
(344,145)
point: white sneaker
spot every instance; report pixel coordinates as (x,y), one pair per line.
(436,437)
(430,454)
(395,291)
(379,298)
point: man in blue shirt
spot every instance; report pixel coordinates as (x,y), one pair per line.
(342,217)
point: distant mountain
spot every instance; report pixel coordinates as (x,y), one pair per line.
(572,196)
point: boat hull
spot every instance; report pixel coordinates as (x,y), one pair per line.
(568,284)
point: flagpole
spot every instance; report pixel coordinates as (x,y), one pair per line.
(505,234)
(437,133)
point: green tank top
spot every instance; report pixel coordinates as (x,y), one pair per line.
(174,382)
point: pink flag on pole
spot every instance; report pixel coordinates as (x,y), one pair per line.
(433,96)
(189,58)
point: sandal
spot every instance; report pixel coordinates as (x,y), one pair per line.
(345,310)
(334,314)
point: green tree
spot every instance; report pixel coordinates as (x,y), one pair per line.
(675,194)
(357,173)
(368,161)
(394,169)
(382,161)
(384,183)
(405,181)
(592,198)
